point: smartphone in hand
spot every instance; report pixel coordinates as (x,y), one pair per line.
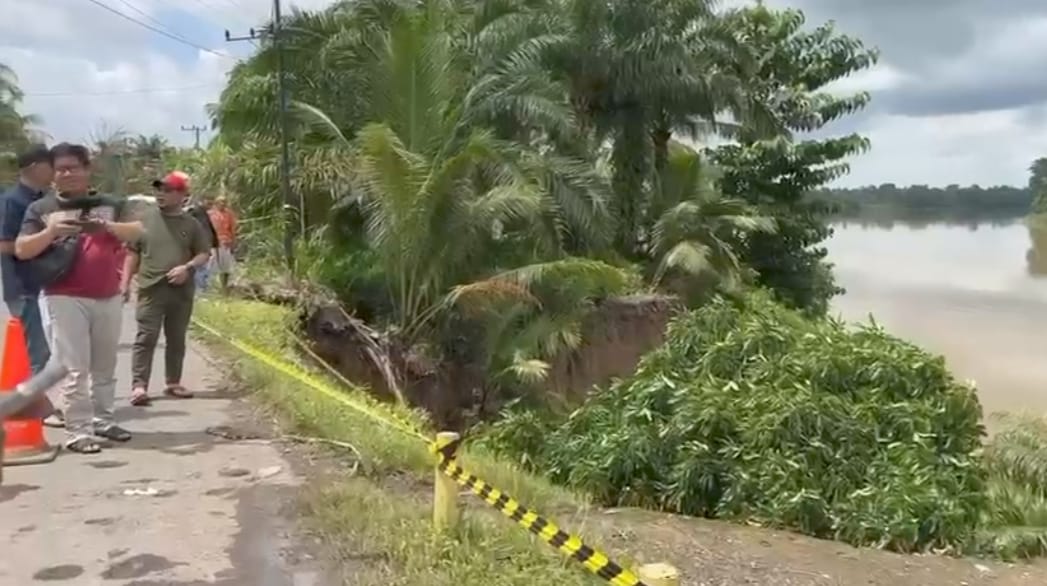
(88,224)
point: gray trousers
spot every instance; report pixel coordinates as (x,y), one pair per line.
(85,336)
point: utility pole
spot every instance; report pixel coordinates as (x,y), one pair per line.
(195,130)
(285,176)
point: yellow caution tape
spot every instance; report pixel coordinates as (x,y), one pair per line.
(387,419)
(570,545)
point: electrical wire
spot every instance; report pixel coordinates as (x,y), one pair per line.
(120,92)
(144,14)
(160,31)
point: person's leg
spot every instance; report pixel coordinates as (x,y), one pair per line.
(106,318)
(35,339)
(149,313)
(176,325)
(71,328)
(225,263)
(38,343)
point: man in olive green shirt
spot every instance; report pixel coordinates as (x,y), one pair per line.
(174,246)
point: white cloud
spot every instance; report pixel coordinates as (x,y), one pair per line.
(79,77)
(986,148)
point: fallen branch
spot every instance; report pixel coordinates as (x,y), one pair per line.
(324,440)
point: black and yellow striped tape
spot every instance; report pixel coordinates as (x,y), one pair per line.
(570,545)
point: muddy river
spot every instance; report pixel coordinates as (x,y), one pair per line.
(975,294)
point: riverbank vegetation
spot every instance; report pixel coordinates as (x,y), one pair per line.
(921,204)
(752,412)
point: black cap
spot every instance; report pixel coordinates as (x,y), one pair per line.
(37,153)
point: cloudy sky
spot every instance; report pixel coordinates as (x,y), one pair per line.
(959,96)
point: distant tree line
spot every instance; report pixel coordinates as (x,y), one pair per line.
(1038,185)
(921,203)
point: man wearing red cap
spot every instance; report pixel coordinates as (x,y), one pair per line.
(174,247)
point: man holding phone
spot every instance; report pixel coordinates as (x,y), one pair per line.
(77,249)
(174,248)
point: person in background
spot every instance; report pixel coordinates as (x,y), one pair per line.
(225,225)
(84,299)
(21,292)
(175,246)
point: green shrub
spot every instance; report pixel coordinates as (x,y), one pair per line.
(750,411)
(1015,524)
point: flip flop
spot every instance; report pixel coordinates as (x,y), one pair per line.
(178,392)
(84,445)
(139,397)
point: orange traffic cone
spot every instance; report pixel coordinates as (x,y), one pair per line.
(23,436)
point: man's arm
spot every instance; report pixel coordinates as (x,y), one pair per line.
(131,263)
(209,232)
(36,235)
(200,247)
(126,231)
(234,226)
(125,227)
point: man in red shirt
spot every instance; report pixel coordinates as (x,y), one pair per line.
(82,249)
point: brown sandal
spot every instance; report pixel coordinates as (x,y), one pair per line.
(178,392)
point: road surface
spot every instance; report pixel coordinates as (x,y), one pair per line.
(174,506)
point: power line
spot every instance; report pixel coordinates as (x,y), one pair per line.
(160,31)
(147,90)
(144,14)
(196,130)
(276,32)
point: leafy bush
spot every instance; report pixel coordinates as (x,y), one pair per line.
(749,411)
(1015,524)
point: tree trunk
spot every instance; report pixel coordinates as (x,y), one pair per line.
(632,166)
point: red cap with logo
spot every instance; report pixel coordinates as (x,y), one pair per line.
(176,180)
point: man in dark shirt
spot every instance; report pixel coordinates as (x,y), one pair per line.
(21,293)
(175,245)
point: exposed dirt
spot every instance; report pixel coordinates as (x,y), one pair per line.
(714,553)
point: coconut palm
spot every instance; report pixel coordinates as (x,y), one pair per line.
(440,192)
(15,127)
(697,231)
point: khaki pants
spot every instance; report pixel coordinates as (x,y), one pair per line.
(85,334)
(161,307)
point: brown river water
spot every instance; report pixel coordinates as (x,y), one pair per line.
(975,294)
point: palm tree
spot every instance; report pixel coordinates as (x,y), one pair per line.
(636,72)
(698,232)
(151,148)
(506,89)
(15,130)
(434,185)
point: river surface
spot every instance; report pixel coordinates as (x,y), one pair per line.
(975,294)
